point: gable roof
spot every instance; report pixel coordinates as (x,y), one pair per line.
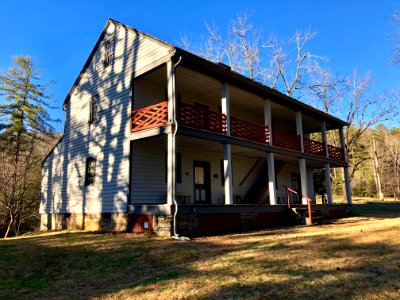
(96,47)
(220,70)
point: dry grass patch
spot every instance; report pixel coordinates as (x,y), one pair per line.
(354,258)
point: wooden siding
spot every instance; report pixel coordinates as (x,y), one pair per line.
(148,172)
(50,198)
(107,139)
(284,179)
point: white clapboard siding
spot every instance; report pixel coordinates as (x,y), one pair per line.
(148,171)
(51,199)
(285,179)
(108,138)
(149,181)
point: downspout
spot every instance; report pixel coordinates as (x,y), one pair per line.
(175,130)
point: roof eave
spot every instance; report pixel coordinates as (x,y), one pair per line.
(255,87)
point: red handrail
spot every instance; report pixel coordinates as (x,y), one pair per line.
(201,118)
(285,140)
(288,191)
(335,152)
(314,147)
(150,117)
(249,131)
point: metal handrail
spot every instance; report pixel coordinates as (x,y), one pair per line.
(288,191)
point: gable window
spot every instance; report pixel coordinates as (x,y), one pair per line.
(90,170)
(109,53)
(94,109)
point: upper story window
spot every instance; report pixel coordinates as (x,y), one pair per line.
(109,53)
(94,108)
(90,170)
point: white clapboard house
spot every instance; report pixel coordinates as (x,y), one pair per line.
(151,129)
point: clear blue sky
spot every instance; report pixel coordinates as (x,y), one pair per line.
(59,35)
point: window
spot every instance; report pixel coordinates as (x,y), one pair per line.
(109,53)
(94,108)
(90,170)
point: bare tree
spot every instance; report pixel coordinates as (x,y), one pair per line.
(377,168)
(363,110)
(289,66)
(283,64)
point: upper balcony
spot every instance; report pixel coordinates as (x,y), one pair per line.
(200,117)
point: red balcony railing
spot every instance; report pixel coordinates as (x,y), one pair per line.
(335,152)
(249,131)
(201,118)
(285,140)
(314,147)
(150,117)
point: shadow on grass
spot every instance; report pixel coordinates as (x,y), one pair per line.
(377,209)
(91,264)
(255,265)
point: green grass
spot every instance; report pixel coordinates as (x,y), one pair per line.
(353,258)
(377,208)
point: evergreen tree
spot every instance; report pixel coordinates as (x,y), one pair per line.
(25,126)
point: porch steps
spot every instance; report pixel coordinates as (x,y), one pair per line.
(301,216)
(260,186)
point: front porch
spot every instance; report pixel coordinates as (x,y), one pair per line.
(219,151)
(200,193)
(199,219)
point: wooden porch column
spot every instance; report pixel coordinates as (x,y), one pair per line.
(268,118)
(326,165)
(228,185)
(302,161)
(171,148)
(345,169)
(270,155)
(299,128)
(328,183)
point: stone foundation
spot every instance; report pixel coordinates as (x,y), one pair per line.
(188,223)
(90,222)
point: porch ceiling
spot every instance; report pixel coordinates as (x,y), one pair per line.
(186,142)
(216,147)
(245,105)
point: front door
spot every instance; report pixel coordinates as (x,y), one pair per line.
(202,182)
(296,198)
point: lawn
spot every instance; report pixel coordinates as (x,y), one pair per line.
(352,258)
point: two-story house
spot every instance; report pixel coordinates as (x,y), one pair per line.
(159,139)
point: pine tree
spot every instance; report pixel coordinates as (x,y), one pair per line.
(25,126)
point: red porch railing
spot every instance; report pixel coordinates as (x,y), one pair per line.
(314,147)
(335,152)
(201,118)
(285,140)
(150,117)
(249,131)
(309,201)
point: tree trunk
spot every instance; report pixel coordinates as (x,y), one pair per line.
(377,171)
(344,186)
(9,224)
